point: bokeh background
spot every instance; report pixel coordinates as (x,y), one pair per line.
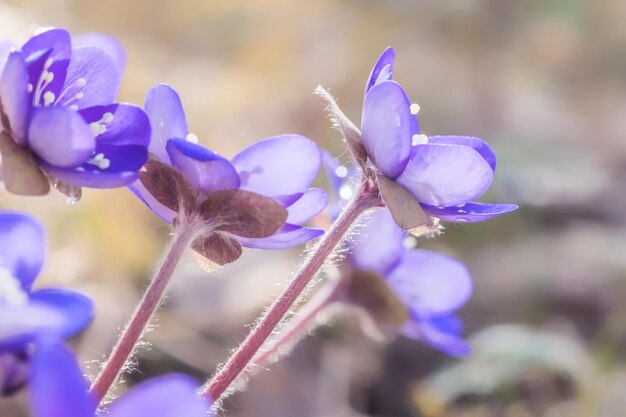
(542,81)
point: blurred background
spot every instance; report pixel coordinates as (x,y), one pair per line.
(542,81)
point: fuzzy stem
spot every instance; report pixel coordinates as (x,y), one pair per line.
(366,197)
(296,326)
(151,300)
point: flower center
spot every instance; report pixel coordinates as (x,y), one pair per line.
(11,292)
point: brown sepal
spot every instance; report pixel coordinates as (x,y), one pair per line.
(404,208)
(214,249)
(21,174)
(73,192)
(243,213)
(369,290)
(168,186)
(348,130)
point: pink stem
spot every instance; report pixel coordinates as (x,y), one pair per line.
(151,300)
(296,326)
(366,197)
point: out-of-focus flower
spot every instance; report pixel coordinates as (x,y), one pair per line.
(258,199)
(58,389)
(29,317)
(415,292)
(444,174)
(60,121)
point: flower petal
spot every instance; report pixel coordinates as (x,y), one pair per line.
(477,144)
(76,309)
(383,69)
(206,171)
(60,137)
(29,323)
(442,333)
(92,79)
(167,118)
(119,124)
(469,212)
(282,167)
(22,246)
(58,388)
(379,245)
(109,44)
(94,178)
(14,94)
(5,50)
(54,39)
(430,283)
(288,236)
(386,127)
(312,202)
(167,396)
(446,175)
(159,209)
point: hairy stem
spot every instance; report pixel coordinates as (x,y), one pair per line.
(366,197)
(151,300)
(303,321)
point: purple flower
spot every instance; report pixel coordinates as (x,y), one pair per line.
(30,316)
(413,291)
(60,120)
(58,389)
(258,199)
(444,174)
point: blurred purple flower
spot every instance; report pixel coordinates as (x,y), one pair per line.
(59,115)
(258,199)
(444,174)
(30,316)
(58,389)
(414,291)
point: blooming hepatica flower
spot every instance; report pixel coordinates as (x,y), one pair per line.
(258,199)
(30,316)
(414,291)
(60,119)
(444,174)
(58,389)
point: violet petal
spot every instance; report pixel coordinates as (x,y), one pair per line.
(446,175)
(386,127)
(167,118)
(312,202)
(470,212)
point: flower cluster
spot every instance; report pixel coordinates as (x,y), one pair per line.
(60,126)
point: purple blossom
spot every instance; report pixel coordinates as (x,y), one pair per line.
(415,291)
(258,199)
(442,175)
(30,316)
(60,120)
(445,174)
(58,389)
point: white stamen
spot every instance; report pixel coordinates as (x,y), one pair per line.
(49,77)
(419,140)
(100,161)
(74,107)
(30,88)
(415,108)
(341,171)
(95,128)
(192,138)
(80,95)
(107,117)
(48,63)
(81,82)
(346,192)
(48,98)
(11,292)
